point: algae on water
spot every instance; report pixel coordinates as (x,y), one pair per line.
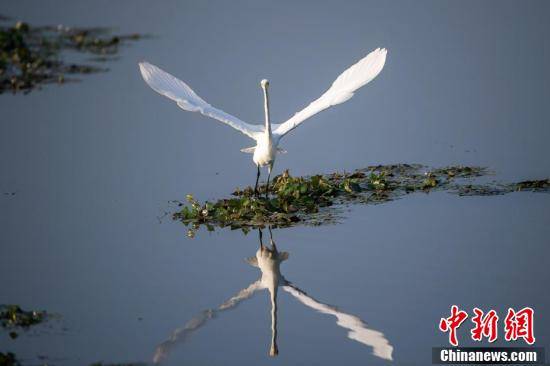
(8,359)
(31,56)
(12,316)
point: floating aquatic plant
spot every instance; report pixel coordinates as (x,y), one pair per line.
(311,200)
(533,185)
(459,172)
(12,316)
(8,359)
(117,364)
(30,56)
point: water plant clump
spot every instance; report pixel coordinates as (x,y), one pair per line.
(8,359)
(533,185)
(12,316)
(292,200)
(460,171)
(116,364)
(30,56)
(314,200)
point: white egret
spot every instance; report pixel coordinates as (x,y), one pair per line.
(267,137)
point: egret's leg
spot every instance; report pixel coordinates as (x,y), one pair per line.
(261,237)
(267,185)
(271,238)
(257,179)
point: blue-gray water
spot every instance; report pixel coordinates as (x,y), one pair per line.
(93,165)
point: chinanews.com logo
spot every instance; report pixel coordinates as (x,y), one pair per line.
(518,326)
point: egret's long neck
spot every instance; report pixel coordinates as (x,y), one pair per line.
(266,108)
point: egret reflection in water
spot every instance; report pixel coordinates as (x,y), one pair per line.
(268,259)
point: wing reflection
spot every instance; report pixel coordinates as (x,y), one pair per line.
(268,259)
(358,330)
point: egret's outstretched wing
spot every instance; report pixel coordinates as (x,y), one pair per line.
(358,330)
(342,89)
(175,89)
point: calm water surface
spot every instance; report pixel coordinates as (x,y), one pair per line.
(94,165)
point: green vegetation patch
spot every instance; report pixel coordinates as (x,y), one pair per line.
(533,185)
(12,316)
(315,200)
(117,364)
(30,56)
(8,359)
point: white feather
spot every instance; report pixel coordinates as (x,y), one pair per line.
(175,89)
(249,150)
(341,90)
